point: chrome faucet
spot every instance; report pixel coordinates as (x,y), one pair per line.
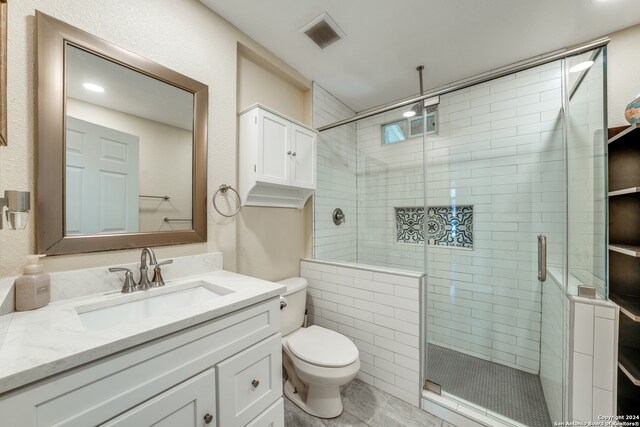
(144,283)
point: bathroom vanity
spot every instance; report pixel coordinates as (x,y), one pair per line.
(201,351)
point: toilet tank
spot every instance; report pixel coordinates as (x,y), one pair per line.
(292,316)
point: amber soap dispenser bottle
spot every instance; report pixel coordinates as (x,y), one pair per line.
(33,287)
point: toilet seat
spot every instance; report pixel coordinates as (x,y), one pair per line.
(322,347)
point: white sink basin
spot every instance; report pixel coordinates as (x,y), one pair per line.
(135,307)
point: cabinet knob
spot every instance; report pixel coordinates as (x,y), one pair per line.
(255,383)
(289,152)
(208,418)
(293,154)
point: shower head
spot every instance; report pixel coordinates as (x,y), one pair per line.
(416,110)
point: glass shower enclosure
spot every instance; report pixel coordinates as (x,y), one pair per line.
(497,193)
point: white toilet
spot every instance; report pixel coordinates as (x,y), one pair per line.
(317,360)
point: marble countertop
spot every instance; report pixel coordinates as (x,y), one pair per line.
(52,339)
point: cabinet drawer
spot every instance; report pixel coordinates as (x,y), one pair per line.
(249,382)
(272,417)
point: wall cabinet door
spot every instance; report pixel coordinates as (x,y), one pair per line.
(191,403)
(274,165)
(303,157)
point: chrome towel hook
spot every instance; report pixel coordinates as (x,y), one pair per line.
(223,189)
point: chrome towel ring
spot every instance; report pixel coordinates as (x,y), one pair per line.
(223,189)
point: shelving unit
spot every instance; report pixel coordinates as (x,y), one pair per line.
(624,258)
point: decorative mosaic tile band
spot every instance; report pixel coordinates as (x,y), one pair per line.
(446,225)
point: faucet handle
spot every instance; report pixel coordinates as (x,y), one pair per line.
(157,273)
(129,284)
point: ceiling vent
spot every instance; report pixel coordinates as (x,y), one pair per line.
(323,31)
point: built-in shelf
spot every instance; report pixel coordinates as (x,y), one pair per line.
(629,305)
(624,133)
(630,250)
(624,191)
(624,258)
(629,363)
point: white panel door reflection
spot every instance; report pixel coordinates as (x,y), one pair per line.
(102,180)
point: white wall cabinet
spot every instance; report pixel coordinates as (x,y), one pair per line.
(224,372)
(277,159)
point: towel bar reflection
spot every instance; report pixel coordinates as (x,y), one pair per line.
(155,197)
(167,219)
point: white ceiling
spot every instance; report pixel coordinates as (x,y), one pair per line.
(385,40)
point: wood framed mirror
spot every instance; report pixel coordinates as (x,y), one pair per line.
(3,72)
(122,147)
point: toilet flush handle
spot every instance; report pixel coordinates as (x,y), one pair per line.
(283,303)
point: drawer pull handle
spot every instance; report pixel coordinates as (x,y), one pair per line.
(255,383)
(208,418)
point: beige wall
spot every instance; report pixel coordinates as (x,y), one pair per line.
(184,36)
(271,240)
(623,78)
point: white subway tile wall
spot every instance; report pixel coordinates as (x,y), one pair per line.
(499,148)
(379,313)
(593,355)
(336,180)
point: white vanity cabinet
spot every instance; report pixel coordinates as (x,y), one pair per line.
(224,372)
(277,159)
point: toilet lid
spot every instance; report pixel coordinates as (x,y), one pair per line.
(323,347)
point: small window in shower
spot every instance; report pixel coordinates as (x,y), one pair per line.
(416,125)
(394,132)
(446,225)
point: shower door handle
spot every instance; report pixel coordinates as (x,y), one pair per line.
(542,257)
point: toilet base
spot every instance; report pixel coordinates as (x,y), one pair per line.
(322,401)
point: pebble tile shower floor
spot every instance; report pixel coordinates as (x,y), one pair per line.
(513,393)
(365,406)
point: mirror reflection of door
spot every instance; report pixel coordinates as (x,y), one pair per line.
(102,179)
(114,104)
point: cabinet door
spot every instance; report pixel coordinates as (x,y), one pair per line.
(274,164)
(249,382)
(191,403)
(303,156)
(271,417)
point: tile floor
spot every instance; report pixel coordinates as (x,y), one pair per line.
(365,406)
(507,391)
